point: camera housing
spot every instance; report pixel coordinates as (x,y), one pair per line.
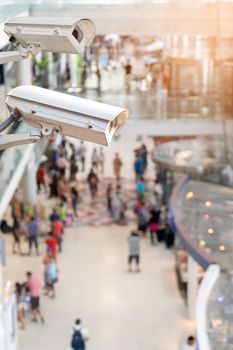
(70,115)
(56,34)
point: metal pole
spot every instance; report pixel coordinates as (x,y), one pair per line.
(218,54)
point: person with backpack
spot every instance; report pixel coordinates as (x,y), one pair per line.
(79,336)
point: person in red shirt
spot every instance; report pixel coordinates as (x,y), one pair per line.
(41,178)
(57,231)
(51,244)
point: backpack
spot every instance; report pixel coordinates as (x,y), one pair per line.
(77,342)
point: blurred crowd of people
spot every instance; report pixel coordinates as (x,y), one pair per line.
(111,57)
(43,227)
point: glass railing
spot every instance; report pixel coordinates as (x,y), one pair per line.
(220,313)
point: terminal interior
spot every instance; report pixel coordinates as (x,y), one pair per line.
(170,63)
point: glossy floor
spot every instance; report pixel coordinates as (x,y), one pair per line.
(128,311)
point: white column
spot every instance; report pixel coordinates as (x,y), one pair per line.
(73,70)
(52,74)
(24,72)
(192,287)
(205,75)
(1,284)
(29,183)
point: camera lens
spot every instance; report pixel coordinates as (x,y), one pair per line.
(78,34)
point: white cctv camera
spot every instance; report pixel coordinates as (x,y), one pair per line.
(70,115)
(61,34)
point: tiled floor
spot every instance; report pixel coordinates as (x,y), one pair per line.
(121,310)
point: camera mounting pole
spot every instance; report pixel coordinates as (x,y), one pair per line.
(10,56)
(7,141)
(11,140)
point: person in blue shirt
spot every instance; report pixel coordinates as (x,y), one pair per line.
(138,166)
(32,235)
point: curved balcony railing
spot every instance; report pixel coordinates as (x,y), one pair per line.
(202,215)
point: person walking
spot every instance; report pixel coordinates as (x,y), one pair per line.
(117,204)
(33,284)
(94,159)
(51,276)
(22,306)
(57,227)
(53,184)
(93,180)
(54,215)
(101,160)
(16,235)
(142,219)
(61,210)
(144,155)
(32,227)
(141,187)
(62,188)
(109,195)
(51,245)
(41,178)
(134,250)
(138,166)
(74,201)
(79,336)
(128,70)
(81,155)
(61,164)
(158,191)
(153,224)
(73,168)
(117,165)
